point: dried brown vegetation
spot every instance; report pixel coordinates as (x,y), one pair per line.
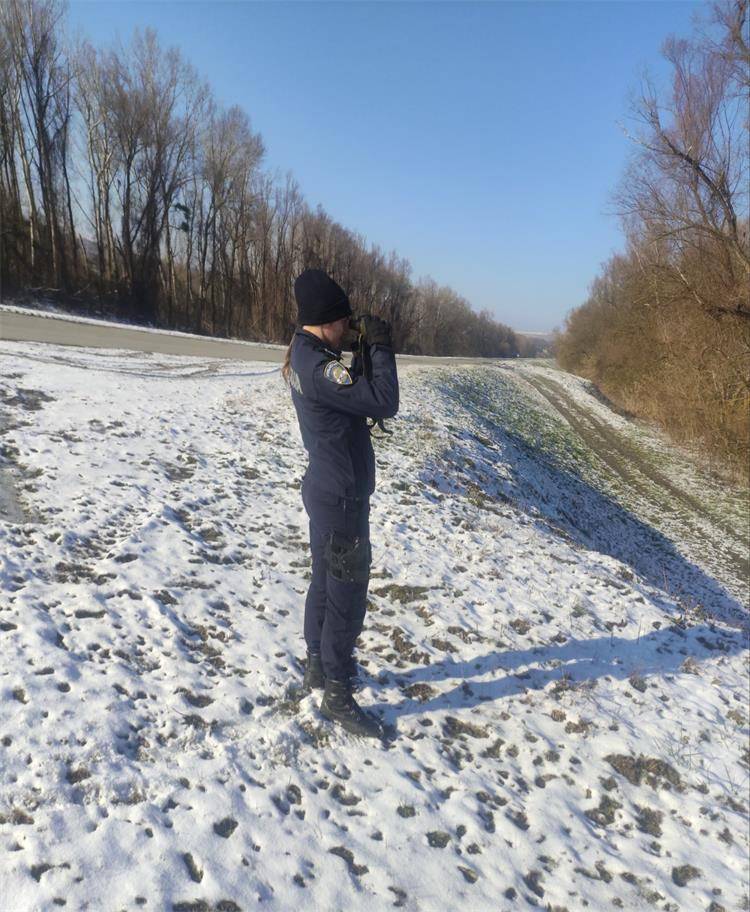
(665,332)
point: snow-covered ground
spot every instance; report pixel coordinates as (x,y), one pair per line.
(556,639)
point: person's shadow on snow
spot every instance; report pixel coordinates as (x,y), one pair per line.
(492,677)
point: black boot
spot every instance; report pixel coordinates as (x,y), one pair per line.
(354,674)
(338,705)
(314,678)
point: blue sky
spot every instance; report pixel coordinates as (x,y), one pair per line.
(480,140)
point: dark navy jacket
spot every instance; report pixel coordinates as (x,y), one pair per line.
(332,406)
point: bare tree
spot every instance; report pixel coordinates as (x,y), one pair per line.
(39,95)
(665,331)
(689,184)
(177,223)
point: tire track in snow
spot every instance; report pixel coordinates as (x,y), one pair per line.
(628,465)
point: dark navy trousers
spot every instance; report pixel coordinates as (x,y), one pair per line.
(337,598)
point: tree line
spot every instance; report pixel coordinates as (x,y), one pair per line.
(124,184)
(665,331)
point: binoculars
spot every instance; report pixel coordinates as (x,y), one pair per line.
(358,323)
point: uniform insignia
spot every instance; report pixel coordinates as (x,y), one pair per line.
(337,373)
(294,380)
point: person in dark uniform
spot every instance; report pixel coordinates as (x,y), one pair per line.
(333,403)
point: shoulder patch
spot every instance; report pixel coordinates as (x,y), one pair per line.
(294,380)
(337,373)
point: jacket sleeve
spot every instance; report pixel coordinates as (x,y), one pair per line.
(357,367)
(376,398)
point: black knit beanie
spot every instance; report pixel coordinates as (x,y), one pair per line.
(319,299)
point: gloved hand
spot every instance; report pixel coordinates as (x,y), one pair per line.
(376,331)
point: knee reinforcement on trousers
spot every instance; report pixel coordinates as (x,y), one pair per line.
(348,559)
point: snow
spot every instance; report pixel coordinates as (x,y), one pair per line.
(565,680)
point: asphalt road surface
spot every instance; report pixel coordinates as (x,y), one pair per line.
(22,327)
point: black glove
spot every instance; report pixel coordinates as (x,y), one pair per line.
(376,331)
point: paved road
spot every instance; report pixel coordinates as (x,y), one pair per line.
(21,327)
